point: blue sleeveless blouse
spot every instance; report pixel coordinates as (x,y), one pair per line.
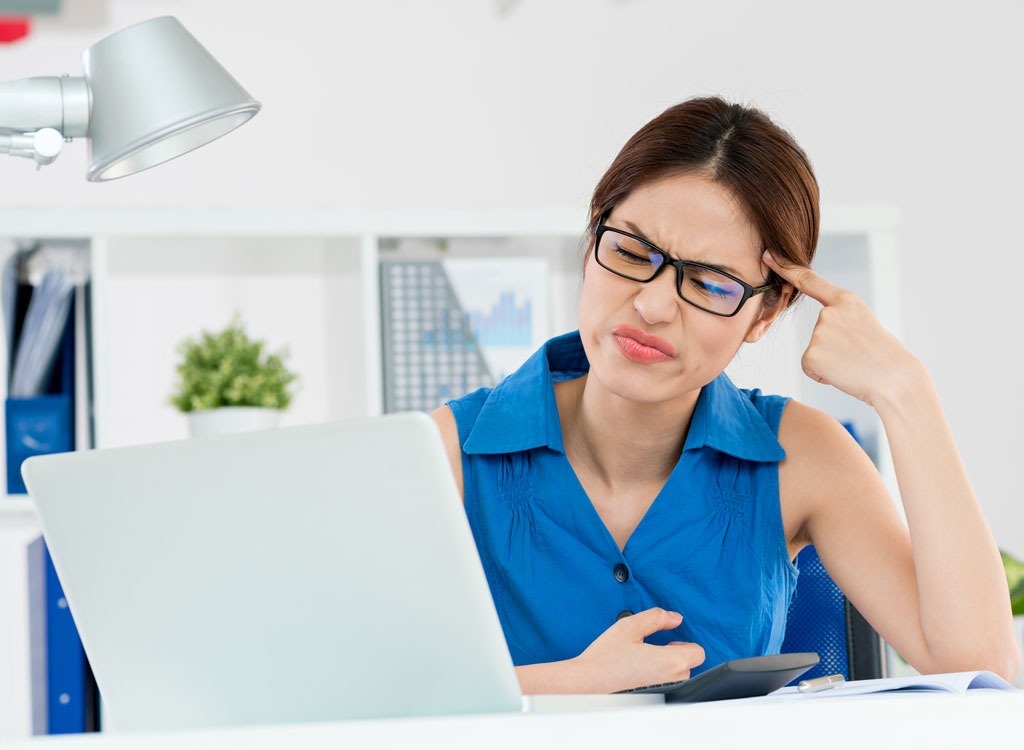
(711,546)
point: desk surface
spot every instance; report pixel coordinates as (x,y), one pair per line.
(918,720)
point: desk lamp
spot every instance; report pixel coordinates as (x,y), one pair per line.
(151,92)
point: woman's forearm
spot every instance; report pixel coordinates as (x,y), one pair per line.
(558,678)
(963,596)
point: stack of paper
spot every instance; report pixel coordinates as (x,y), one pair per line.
(41,333)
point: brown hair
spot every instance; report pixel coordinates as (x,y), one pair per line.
(736,146)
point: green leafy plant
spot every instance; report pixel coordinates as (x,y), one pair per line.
(227,368)
(1015,580)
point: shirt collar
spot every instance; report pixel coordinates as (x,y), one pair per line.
(504,425)
(724,419)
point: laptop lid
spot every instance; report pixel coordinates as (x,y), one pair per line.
(311,573)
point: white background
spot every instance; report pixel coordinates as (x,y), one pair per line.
(481,103)
(462,103)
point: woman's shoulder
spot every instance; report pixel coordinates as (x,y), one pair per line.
(819,445)
(792,417)
(465,409)
(825,471)
(455,419)
(769,405)
(763,401)
(444,418)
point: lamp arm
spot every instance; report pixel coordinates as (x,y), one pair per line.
(44,145)
(33,110)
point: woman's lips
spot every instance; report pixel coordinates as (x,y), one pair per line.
(642,347)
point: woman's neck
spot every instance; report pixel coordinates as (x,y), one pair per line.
(618,440)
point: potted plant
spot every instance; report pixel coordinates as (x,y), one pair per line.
(228,382)
(1015,580)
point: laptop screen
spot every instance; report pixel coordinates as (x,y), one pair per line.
(300,574)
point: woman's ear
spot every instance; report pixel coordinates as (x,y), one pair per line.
(768,315)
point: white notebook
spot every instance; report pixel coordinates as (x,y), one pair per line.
(951,682)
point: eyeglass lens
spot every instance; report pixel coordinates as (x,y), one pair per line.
(632,259)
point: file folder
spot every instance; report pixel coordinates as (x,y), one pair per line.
(36,426)
(64,695)
(46,423)
(43,419)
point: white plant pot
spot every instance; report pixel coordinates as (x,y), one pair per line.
(230,419)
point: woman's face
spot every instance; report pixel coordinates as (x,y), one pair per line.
(646,344)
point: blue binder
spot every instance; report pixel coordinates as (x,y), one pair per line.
(64,697)
(46,423)
(35,426)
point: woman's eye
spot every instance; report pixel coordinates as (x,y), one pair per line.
(629,257)
(714,289)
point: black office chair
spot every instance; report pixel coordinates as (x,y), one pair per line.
(821,619)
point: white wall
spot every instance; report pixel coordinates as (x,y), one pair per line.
(453,102)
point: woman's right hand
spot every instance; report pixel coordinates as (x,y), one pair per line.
(618,659)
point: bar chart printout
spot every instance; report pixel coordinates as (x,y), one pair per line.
(455,325)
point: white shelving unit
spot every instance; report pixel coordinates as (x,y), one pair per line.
(306,279)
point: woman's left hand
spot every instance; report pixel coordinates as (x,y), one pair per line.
(849,347)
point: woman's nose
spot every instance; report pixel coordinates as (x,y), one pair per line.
(658,301)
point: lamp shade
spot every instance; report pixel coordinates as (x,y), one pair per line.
(156,93)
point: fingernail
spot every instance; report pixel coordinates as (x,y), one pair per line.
(767,257)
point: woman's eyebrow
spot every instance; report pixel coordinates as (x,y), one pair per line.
(639,233)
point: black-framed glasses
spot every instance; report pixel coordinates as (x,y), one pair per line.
(706,287)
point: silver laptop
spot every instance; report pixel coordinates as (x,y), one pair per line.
(301,574)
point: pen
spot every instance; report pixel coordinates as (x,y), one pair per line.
(820,683)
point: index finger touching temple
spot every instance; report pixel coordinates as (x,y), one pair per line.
(803,279)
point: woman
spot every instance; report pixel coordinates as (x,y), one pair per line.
(637,514)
